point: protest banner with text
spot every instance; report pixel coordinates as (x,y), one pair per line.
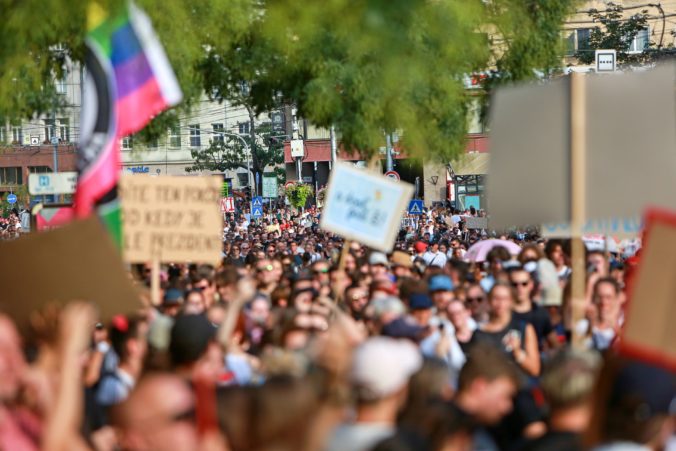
(173,219)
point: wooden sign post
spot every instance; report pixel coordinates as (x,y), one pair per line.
(578,176)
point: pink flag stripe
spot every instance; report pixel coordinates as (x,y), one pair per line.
(98,180)
(134,110)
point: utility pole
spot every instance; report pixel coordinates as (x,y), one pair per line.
(389,163)
(334,147)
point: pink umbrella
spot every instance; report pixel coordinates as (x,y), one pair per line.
(478,251)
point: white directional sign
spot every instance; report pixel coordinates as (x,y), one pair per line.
(57,183)
(606,60)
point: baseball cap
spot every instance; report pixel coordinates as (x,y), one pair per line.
(652,386)
(419,246)
(403,328)
(402,259)
(440,283)
(420,301)
(190,337)
(383,365)
(173,296)
(378,258)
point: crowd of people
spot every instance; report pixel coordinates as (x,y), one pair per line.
(301,340)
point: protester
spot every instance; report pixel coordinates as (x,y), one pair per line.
(300,340)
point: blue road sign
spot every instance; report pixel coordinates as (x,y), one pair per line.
(256,212)
(415,207)
(257,202)
(11,198)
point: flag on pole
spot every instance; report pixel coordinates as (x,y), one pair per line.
(129,80)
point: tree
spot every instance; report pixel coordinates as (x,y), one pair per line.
(617,32)
(230,153)
(366,67)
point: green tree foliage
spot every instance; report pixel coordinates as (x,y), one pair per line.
(368,67)
(298,194)
(230,153)
(616,32)
(38,38)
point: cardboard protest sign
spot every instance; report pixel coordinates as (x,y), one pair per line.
(364,207)
(617,227)
(629,158)
(472,222)
(648,331)
(173,219)
(75,262)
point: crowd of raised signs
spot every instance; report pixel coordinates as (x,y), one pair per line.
(300,340)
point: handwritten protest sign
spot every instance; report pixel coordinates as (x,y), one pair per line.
(173,219)
(364,207)
(648,329)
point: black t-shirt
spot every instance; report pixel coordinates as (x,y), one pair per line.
(539,318)
(555,441)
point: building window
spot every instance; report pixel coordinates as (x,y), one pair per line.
(61,85)
(11,176)
(218,133)
(63,129)
(3,135)
(39,169)
(640,42)
(127,143)
(175,136)
(577,41)
(17,134)
(195,139)
(153,144)
(49,129)
(243,178)
(244,128)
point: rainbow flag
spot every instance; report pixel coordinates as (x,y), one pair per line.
(129,80)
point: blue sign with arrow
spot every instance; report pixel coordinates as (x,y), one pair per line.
(415,207)
(11,198)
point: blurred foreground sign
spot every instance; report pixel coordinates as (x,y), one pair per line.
(173,219)
(75,262)
(364,207)
(649,332)
(629,137)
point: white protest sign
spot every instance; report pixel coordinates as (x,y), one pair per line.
(475,222)
(173,219)
(617,227)
(364,206)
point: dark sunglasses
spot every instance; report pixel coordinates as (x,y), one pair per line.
(477,299)
(520,284)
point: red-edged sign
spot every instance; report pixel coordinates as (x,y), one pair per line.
(648,331)
(227,204)
(394,175)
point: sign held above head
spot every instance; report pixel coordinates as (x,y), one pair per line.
(364,207)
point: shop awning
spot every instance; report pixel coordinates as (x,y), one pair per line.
(471,164)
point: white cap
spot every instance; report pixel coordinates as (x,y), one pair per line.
(383,365)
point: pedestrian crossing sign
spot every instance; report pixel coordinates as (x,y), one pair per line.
(257,212)
(415,207)
(257,202)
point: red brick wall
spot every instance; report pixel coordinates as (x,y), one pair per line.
(25,157)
